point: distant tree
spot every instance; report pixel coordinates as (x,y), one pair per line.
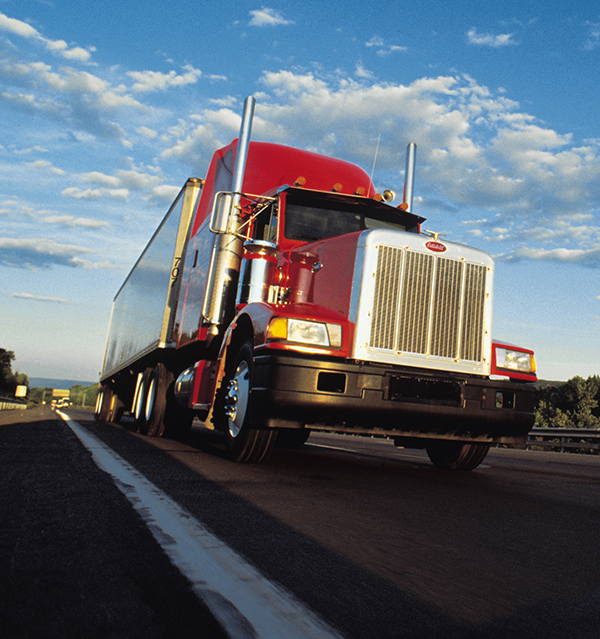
(574,404)
(21,379)
(9,380)
(6,374)
(83,395)
(37,395)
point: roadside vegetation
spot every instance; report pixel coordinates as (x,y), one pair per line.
(573,404)
(9,380)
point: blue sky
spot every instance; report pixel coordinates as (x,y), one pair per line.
(107,108)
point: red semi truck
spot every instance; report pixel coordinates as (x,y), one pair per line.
(281,295)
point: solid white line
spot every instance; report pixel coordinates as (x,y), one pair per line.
(245,602)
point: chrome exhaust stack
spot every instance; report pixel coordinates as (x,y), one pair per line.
(228,247)
(409,175)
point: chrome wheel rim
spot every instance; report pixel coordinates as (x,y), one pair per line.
(150,400)
(236,398)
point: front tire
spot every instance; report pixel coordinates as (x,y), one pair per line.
(449,455)
(243,443)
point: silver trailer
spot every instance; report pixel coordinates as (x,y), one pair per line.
(143,312)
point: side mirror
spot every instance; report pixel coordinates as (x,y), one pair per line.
(221,213)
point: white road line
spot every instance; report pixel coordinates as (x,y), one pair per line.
(245,602)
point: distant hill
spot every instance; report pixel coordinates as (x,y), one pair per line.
(63,384)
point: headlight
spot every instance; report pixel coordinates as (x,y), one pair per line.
(515,360)
(304,332)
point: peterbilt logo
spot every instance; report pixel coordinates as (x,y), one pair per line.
(436,247)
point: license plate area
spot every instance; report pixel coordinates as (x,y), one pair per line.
(423,390)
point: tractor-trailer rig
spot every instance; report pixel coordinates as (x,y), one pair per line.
(281,294)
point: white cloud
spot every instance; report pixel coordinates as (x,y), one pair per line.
(163,195)
(266,17)
(40,253)
(42,298)
(17,27)
(589,257)
(148,81)
(117,187)
(75,222)
(384,49)
(490,40)
(147,132)
(25,30)
(593,39)
(95,177)
(118,194)
(78,194)
(78,99)
(44,164)
(362,73)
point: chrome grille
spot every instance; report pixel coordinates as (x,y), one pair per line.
(430,305)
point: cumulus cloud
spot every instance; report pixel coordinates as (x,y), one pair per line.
(593,39)
(478,152)
(76,98)
(147,132)
(489,39)
(266,17)
(40,253)
(75,222)
(44,164)
(20,28)
(382,47)
(589,258)
(116,187)
(148,81)
(163,195)
(80,194)
(42,298)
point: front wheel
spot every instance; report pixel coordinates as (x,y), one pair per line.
(449,455)
(243,443)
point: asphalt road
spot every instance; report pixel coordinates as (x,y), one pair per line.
(373,539)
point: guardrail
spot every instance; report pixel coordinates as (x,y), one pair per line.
(564,439)
(7,403)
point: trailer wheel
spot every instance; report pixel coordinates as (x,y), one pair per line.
(102,404)
(156,400)
(139,407)
(115,409)
(449,455)
(243,443)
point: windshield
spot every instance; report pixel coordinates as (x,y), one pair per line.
(310,218)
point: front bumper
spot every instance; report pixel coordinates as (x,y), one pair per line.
(291,391)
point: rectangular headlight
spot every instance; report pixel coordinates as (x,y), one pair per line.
(515,360)
(305,332)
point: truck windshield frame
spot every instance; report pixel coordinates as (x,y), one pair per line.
(310,217)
